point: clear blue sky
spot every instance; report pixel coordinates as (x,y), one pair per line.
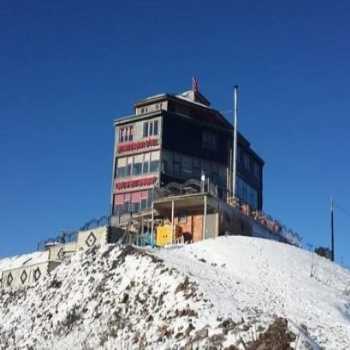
(68,68)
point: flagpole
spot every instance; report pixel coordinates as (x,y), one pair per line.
(235,125)
(332,228)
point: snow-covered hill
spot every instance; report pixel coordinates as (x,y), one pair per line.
(243,276)
(223,292)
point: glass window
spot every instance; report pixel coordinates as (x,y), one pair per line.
(145,129)
(126,134)
(155,161)
(256,170)
(177,164)
(131,133)
(177,169)
(143,204)
(121,167)
(167,158)
(150,128)
(155,127)
(121,172)
(146,160)
(222,176)
(186,166)
(246,161)
(129,167)
(241,153)
(122,130)
(196,167)
(136,207)
(209,140)
(247,193)
(165,168)
(137,169)
(154,166)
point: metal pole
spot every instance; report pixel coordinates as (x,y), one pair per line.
(332,228)
(172,221)
(153,240)
(204,217)
(235,125)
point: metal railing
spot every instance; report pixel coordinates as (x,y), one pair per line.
(273,225)
(67,236)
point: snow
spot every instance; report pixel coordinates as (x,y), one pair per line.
(23,260)
(126,298)
(184,96)
(98,299)
(240,274)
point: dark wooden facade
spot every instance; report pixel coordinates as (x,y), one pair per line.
(187,138)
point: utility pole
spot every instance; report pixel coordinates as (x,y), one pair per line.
(235,112)
(332,228)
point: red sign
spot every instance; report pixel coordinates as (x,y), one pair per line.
(133,146)
(136,183)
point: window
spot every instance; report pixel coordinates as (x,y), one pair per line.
(129,167)
(137,167)
(131,133)
(206,167)
(182,219)
(167,158)
(196,167)
(121,167)
(165,167)
(145,129)
(126,134)
(177,164)
(146,167)
(121,135)
(239,155)
(256,170)
(247,193)
(135,207)
(186,166)
(155,127)
(150,128)
(209,140)
(246,161)
(143,204)
(121,172)
(154,164)
(146,160)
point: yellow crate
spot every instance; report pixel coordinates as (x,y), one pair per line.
(164,235)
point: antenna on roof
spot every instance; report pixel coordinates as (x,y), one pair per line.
(235,126)
(195,84)
(332,228)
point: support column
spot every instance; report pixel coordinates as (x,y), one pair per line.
(204,217)
(172,221)
(153,237)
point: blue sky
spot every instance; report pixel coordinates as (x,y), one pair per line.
(68,68)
